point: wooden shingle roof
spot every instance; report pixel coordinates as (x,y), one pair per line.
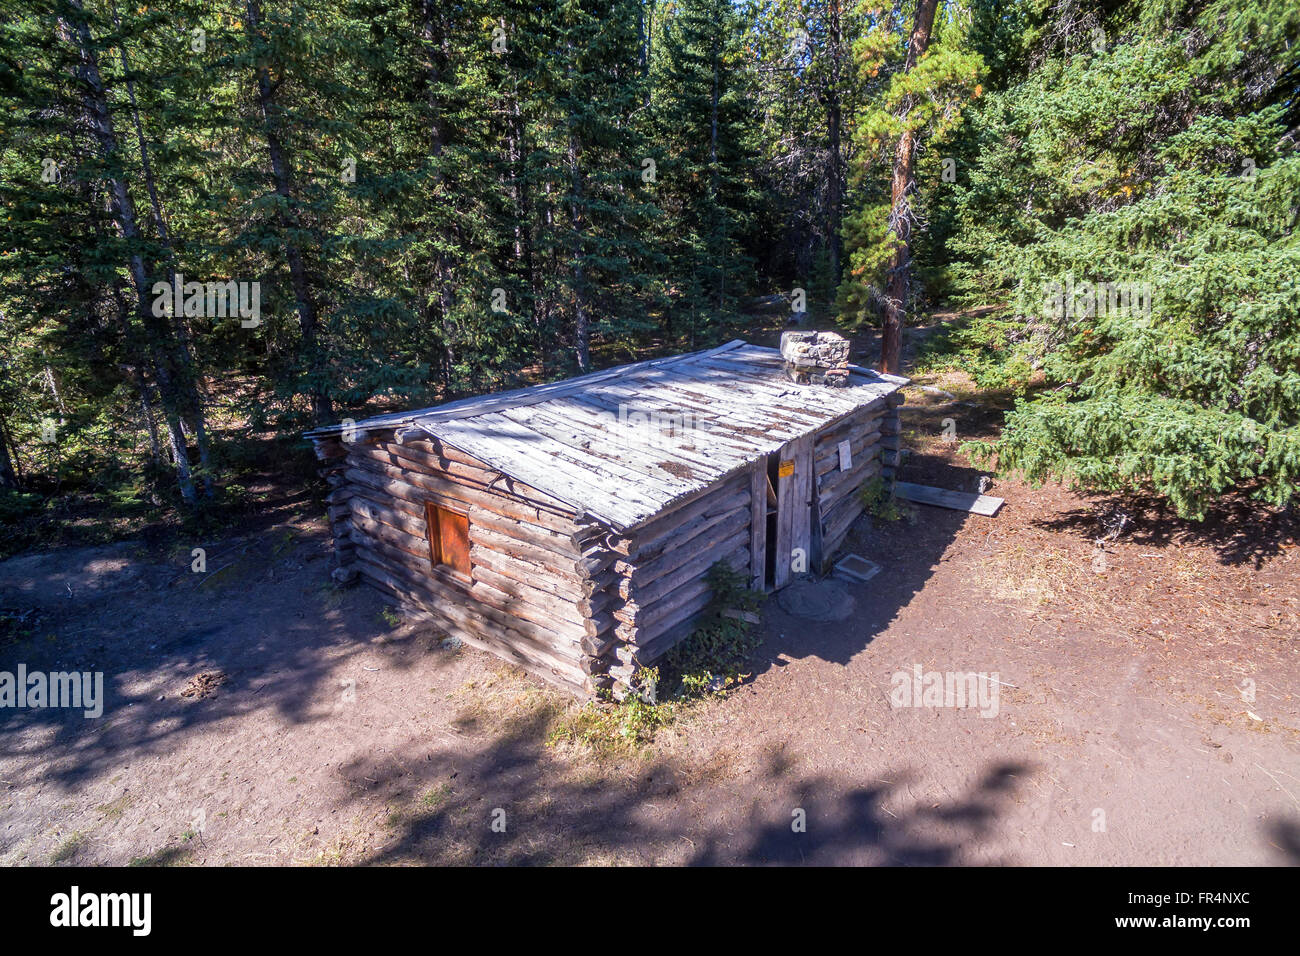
(627,443)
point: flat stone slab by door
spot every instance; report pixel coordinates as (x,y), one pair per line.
(824,600)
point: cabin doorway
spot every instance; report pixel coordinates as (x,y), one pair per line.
(789,534)
(769,536)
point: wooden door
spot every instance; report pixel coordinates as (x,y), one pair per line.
(762,512)
(794,501)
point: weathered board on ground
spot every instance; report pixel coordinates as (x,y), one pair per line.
(956,500)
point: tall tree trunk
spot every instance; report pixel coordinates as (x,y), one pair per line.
(714,173)
(76,31)
(304,298)
(550,265)
(581,321)
(522,198)
(197,413)
(8,472)
(900,216)
(52,383)
(834,168)
(433,33)
(137,374)
(645,38)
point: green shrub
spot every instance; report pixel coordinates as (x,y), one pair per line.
(878,497)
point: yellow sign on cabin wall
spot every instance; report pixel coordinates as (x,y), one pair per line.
(785,469)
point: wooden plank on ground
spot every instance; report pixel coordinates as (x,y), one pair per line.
(956,500)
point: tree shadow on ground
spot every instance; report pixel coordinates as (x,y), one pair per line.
(272,632)
(1285,835)
(1239,530)
(553,810)
(908,550)
(853,826)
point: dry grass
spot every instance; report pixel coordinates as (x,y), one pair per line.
(1039,576)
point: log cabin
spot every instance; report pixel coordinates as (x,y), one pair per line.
(568,527)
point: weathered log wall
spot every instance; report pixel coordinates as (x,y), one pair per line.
(660,574)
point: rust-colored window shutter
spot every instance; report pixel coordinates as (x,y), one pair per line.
(448,538)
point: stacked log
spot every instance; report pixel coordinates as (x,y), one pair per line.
(890,430)
(332,454)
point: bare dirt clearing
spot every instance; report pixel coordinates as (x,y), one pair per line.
(1148,711)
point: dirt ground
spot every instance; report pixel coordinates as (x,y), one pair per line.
(1148,706)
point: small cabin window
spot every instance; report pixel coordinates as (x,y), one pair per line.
(448,538)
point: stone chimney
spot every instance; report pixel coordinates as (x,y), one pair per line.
(816,358)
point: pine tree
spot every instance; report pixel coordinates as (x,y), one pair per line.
(703,125)
(920,87)
(1134,207)
(78,155)
(591,206)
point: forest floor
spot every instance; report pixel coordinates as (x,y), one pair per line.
(1148,707)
